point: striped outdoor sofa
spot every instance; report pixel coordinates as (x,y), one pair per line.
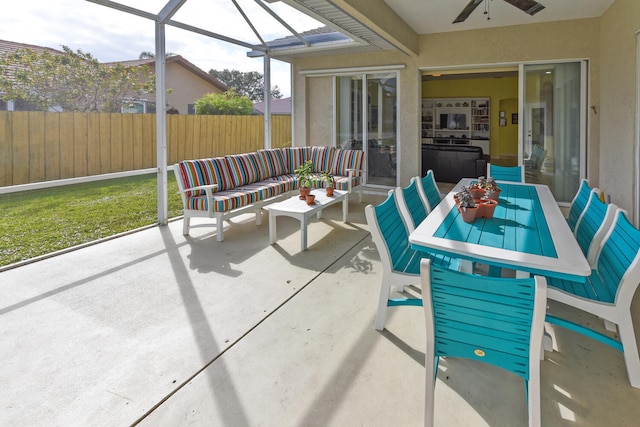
(223,187)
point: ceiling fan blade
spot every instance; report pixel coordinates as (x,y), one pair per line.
(470,7)
(528,6)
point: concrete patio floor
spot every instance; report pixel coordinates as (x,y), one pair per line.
(158,329)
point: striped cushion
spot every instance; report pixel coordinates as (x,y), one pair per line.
(274,162)
(205,172)
(246,168)
(346,159)
(342,182)
(239,197)
(322,158)
(289,178)
(296,156)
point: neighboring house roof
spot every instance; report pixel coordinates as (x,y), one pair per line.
(7,46)
(151,62)
(278,106)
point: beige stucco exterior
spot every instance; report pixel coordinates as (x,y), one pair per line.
(186,87)
(607,42)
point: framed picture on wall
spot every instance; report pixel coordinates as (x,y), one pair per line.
(514,118)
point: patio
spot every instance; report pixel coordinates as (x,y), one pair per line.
(157,329)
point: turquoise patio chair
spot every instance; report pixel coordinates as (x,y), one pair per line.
(499,321)
(505,173)
(592,226)
(400,263)
(579,203)
(608,292)
(411,204)
(429,191)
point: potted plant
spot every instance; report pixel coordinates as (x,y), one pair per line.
(486,207)
(330,183)
(310,199)
(303,175)
(466,205)
(477,189)
(491,188)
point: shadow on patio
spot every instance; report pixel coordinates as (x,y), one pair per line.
(157,329)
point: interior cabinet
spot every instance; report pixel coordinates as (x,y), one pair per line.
(427,117)
(461,121)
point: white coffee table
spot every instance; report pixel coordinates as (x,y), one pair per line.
(297,208)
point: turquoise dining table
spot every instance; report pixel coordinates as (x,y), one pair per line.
(528,233)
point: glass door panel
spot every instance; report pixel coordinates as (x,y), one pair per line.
(381,129)
(553,126)
(367,120)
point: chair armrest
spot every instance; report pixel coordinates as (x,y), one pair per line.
(352,173)
(208,189)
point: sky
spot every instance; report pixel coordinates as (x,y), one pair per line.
(110,35)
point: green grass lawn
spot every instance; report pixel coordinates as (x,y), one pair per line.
(37,222)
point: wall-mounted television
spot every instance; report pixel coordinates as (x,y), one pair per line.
(453,121)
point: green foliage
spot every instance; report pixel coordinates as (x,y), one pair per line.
(249,83)
(73,81)
(38,222)
(328,179)
(224,104)
(303,174)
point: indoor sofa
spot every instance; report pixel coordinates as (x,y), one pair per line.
(223,187)
(450,163)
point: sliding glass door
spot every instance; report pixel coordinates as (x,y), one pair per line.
(553,125)
(366,118)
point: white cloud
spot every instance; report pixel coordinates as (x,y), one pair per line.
(111,35)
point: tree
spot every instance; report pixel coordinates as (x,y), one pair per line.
(249,83)
(228,103)
(73,81)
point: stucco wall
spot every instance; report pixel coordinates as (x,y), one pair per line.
(608,42)
(506,45)
(617,106)
(320,90)
(186,87)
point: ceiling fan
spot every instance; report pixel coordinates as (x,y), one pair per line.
(528,6)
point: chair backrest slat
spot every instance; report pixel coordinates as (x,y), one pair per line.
(392,228)
(430,189)
(505,173)
(593,224)
(410,203)
(619,254)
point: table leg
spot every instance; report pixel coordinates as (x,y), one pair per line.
(272,228)
(303,233)
(466,266)
(345,208)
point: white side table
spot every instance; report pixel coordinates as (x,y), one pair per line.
(297,208)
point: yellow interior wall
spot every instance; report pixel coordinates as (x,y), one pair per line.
(496,89)
(507,143)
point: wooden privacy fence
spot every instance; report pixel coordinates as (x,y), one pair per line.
(46,146)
